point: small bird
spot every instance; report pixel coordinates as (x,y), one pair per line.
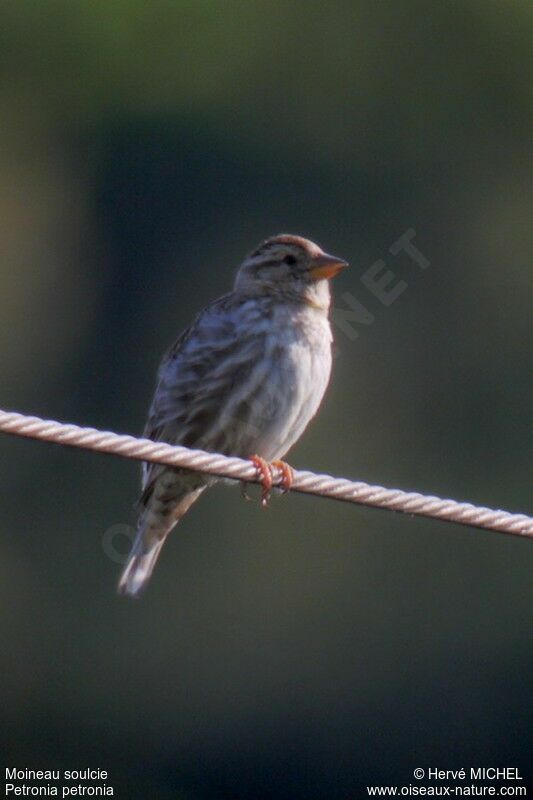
(244,379)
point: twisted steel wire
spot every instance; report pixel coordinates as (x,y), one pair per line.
(243,470)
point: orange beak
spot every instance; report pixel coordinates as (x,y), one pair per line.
(325,266)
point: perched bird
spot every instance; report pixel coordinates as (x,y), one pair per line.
(244,379)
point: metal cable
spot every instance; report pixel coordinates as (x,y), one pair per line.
(243,470)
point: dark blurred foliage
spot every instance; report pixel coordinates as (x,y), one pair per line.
(309,650)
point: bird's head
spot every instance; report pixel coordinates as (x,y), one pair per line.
(290,266)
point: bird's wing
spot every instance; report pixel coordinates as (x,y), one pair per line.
(209,363)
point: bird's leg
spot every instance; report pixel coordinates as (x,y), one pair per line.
(287,475)
(264,475)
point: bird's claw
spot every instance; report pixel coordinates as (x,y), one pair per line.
(244,493)
(265,476)
(286,475)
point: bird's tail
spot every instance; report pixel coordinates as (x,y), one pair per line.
(139,567)
(154,528)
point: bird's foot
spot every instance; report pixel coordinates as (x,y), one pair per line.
(286,474)
(264,476)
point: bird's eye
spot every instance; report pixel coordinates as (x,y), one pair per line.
(289,260)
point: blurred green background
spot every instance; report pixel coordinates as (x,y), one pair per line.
(309,650)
